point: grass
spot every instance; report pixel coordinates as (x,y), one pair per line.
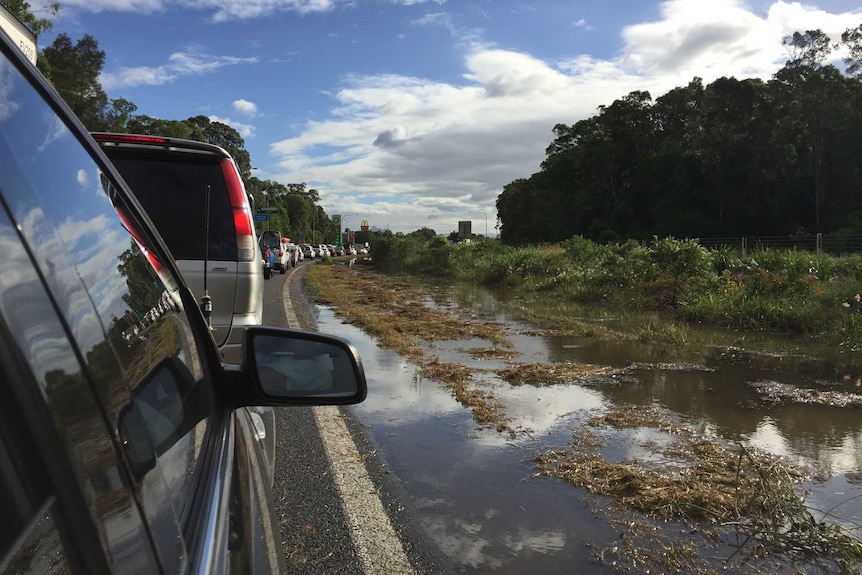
(788,291)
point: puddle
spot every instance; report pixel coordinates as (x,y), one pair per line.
(476,491)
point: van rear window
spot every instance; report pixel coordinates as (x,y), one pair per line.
(172,188)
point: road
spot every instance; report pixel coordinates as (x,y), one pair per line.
(340,511)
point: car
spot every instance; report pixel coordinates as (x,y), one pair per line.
(274,242)
(320,250)
(294,255)
(307,251)
(193,193)
(126,447)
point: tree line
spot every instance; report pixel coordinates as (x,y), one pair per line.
(733,157)
(73,68)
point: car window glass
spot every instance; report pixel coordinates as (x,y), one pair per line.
(270,239)
(173,189)
(138,354)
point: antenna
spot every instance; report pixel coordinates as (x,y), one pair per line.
(206,301)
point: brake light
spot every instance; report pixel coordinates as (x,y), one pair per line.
(241,211)
(130,138)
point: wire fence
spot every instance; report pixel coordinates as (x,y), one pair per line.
(817,243)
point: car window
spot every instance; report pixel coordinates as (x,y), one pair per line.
(270,239)
(173,189)
(78,274)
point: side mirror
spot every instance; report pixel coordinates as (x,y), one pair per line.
(296,367)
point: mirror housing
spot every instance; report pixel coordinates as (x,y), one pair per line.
(282,366)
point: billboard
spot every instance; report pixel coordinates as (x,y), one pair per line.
(336,221)
(465,230)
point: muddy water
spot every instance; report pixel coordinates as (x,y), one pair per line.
(475,490)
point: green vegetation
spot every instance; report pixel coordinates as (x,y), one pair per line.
(733,157)
(785,291)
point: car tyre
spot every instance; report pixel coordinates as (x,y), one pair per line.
(267,272)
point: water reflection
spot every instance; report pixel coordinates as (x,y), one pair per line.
(474,489)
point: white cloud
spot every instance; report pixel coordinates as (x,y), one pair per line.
(425,152)
(245,108)
(415,2)
(220,10)
(245,130)
(180,64)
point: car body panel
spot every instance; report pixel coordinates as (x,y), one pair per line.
(126,445)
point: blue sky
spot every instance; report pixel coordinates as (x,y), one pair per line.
(414,113)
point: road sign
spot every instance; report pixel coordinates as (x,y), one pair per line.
(267,210)
(261,217)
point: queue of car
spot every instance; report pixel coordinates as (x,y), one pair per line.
(135,375)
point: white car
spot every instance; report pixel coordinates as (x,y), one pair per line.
(274,242)
(320,250)
(292,252)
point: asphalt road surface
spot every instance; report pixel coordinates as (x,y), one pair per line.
(339,510)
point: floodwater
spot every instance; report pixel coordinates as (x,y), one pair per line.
(476,491)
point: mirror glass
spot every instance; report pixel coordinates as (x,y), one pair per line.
(295,367)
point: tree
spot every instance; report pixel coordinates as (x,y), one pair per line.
(21,10)
(119,115)
(228,138)
(74,72)
(852,38)
(808,50)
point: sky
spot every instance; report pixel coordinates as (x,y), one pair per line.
(416,113)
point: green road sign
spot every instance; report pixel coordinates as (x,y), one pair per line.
(267,210)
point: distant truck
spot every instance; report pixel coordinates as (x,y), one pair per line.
(20,34)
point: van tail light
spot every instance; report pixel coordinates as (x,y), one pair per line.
(241,212)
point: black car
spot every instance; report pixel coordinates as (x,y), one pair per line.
(126,445)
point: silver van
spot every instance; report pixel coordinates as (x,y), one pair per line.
(193,194)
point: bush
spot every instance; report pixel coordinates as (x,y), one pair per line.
(781,290)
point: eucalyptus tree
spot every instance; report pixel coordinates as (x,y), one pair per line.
(852,39)
(228,138)
(74,71)
(677,172)
(23,12)
(814,101)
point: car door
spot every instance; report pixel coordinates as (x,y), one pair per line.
(131,452)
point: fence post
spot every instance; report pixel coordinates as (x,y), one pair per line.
(819,244)
(744,246)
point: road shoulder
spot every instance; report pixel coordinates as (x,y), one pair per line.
(387,536)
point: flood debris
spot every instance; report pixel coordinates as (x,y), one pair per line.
(721,488)
(545,374)
(490,353)
(777,392)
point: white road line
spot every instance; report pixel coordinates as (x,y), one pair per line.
(379,547)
